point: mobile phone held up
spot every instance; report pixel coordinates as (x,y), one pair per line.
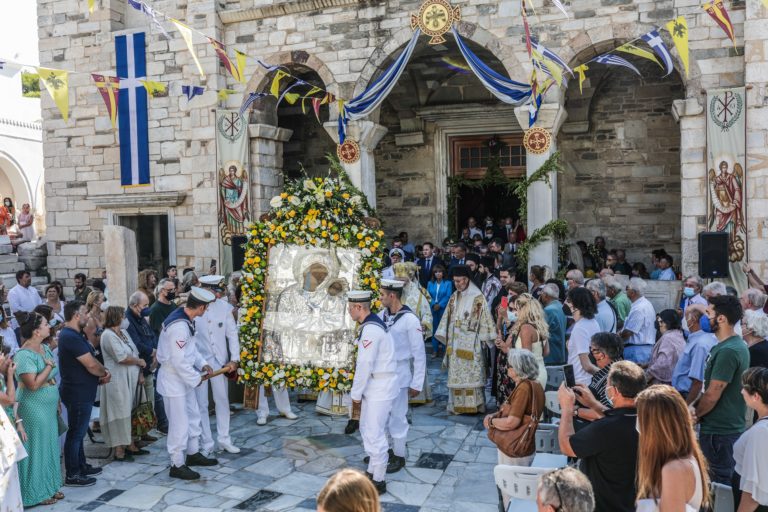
(570,379)
(505,302)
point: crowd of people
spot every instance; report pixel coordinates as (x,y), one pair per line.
(18,225)
(661,403)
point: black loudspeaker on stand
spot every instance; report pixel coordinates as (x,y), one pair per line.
(238,252)
(713,254)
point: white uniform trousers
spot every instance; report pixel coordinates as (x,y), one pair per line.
(373,430)
(398,422)
(282,401)
(183,426)
(219,386)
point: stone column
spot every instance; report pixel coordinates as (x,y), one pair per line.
(756,76)
(542,198)
(122,264)
(266,164)
(693,179)
(363,172)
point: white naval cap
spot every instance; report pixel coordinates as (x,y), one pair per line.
(392,284)
(212,280)
(359,296)
(201,295)
(397,251)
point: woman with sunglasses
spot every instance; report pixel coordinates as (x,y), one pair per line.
(671,470)
(37,414)
(605,349)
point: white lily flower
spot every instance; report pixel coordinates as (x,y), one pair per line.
(276,202)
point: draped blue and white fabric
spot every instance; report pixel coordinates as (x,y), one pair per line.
(508,91)
(373,96)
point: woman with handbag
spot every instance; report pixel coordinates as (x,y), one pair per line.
(513,428)
(37,416)
(121,358)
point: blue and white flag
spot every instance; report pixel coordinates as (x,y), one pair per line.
(614,60)
(132,110)
(190,91)
(549,54)
(249,101)
(654,41)
(151,14)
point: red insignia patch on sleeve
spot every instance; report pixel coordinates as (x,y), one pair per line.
(366,343)
(181,343)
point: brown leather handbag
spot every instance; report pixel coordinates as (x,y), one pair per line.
(521,441)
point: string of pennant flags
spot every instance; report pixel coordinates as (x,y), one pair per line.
(548,69)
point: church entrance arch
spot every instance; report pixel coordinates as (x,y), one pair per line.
(13,183)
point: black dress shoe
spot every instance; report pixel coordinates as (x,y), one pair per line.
(79,481)
(395,464)
(184,473)
(352,426)
(140,451)
(91,471)
(198,459)
(381,487)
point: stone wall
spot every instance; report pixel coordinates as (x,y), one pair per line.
(622,177)
(346,42)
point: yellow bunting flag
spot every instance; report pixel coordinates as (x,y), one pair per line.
(765,4)
(55,80)
(154,89)
(634,50)
(313,90)
(554,70)
(274,89)
(240,58)
(91,6)
(580,70)
(186,33)
(678,28)
(223,94)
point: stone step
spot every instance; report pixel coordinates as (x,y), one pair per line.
(7,268)
(9,280)
(8,258)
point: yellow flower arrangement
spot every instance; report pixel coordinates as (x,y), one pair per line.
(318,212)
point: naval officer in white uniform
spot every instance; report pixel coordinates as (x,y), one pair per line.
(182,370)
(375,385)
(407,335)
(218,342)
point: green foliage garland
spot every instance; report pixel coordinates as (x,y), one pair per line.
(542,174)
(555,229)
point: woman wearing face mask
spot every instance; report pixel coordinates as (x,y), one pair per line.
(121,358)
(669,346)
(582,304)
(605,349)
(502,385)
(531,331)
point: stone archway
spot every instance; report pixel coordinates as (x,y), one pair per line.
(13,182)
(621,152)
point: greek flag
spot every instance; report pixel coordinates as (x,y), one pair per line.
(549,54)
(654,41)
(614,60)
(248,102)
(190,91)
(132,110)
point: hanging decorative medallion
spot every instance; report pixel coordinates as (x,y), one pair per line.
(349,152)
(435,18)
(537,140)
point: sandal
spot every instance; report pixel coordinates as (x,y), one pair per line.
(49,501)
(59,495)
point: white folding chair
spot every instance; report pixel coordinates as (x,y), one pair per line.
(520,483)
(722,498)
(546,439)
(555,376)
(552,403)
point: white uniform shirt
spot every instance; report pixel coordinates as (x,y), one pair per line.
(215,332)
(375,371)
(181,362)
(407,335)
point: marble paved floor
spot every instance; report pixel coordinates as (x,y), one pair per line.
(285,463)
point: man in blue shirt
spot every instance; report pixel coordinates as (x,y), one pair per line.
(688,376)
(553,313)
(81,374)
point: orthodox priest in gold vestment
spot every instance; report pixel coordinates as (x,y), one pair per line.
(465,328)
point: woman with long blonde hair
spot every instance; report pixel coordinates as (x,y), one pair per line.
(348,490)
(671,470)
(531,331)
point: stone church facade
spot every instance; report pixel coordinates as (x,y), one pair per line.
(633,149)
